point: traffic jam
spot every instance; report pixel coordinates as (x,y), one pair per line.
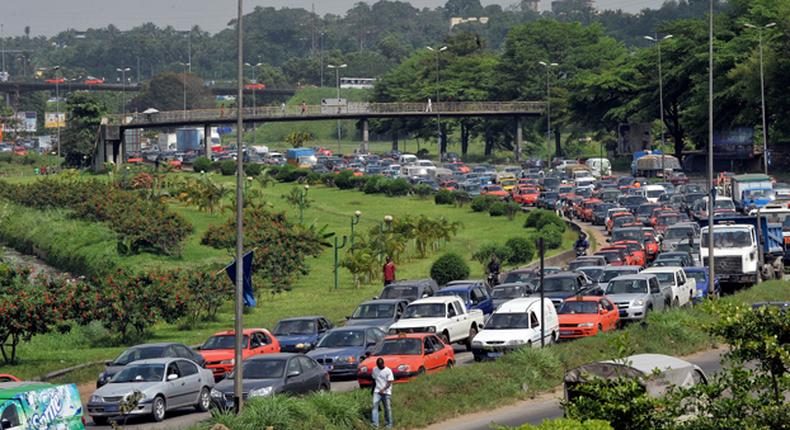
(650,253)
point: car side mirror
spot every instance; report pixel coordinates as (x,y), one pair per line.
(425,295)
(172,377)
(294,373)
(609,240)
(108,363)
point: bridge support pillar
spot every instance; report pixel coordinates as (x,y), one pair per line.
(519,139)
(365,136)
(207,141)
(111,147)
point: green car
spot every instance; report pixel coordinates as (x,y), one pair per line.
(37,405)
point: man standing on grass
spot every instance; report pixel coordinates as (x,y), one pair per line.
(382,392)
(389,271)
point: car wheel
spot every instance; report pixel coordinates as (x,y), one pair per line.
(676,303)
(445,338)
(158,409)
(323,387)
(600,329)
(472,334)
(421,371)
(449,364)
(204,401)
(100,421)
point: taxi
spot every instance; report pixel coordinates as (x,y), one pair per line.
(408,356)
(525,195)
(636,250)
(495,191)
(219,353)
(508,184)
(610,223)
(583,316)
(586,209)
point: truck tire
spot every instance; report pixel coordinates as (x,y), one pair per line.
(472,334)
(445,338)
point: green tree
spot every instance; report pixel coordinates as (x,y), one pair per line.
(84,113)
(165,92)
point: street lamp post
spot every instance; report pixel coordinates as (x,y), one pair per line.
(123,88)
(337,79)
(762,91)
(239,292)
(438,117)
(338,247)
(57,105)
(548,67)
(657,41)
(254,101)
(354,222)
(184,82)
(321,56)
(711,190)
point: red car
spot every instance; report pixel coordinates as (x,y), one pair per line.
(55,81)
(635,249)
(613,256)
(586,210)
(218,351)
(525,195)
(582,316)
(94,81)
(494,190)
(408,356)
(5,377)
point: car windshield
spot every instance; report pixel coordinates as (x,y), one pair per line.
(263,369)
(627,286)
(405,346)
(399,293)
(633,200)
(374,311)
(578,307)
(697,276)
(645,209)
(655,193)
(625,219)
(724,204)
(666,278)
(519,277)
(342,338)
(509,292)
(425,310)
(493,188)
(295,327)
(141,353)
(679,233)
(594,273)
(559,284)
(610,256)
(551,196)
(608,275)
(139,373)
(618,235)
(222,342)
(729,239)
(504,321)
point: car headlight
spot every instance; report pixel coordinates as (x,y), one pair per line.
(363,369)
(515,342)
(349,359)
(231,361)
(96,399)
(216,393)
(477,343)
(305,345)
(403,368)
(265,391)
(392,331)
(587,324)
(638,302)
(431,329)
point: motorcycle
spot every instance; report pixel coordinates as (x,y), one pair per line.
(581,250)
(492,280)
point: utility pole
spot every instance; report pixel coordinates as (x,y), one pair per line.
(438,117)
(337,78)
(321,56)
(762,92)
(57,105)
(548,67)
(254,101)
(123,88)
(239,335)
(657,41)
(184,82)
(711,190)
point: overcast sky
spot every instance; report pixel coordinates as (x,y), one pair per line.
(49,17)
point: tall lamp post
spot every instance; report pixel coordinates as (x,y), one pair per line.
(337,80)
(762,90)
(657,41)
(354,222)
(711,190)
(548,67)
(254,101)
(123,71)
(57,104)
(184,82)
(239,293)
(438,117)
(321,56)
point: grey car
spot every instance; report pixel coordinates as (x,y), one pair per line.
(381,313)
(680,232)
(410,290)
(514,290)
(611,272)
(636,295)
(270,374)
(148,351)
(163,383)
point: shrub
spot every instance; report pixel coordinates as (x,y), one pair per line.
(512,209)
(423,191)
(227,167)
(540,218)
(482,203)
(497,209)
(252,169)
(398,187)
(521,250)
(449,267)
(375,185)
(202,164)
(484,254)
(343,180)
(444,197)
(461,198)
(552,236)
(289,173)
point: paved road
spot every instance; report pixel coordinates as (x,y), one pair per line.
(187,417)
(548,406)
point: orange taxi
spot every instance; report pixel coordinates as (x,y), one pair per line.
(218,350)
(582,316)
(495,191)
(525,195)
(586,209)
(610,222)
(408,356)
(635,249)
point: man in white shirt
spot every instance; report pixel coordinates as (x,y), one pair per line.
(382,392)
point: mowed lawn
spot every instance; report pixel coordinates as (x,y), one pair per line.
(311,295)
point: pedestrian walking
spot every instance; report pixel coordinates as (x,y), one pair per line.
(304,108)
(382,393)
(282,108)
(429,106)
(389,271)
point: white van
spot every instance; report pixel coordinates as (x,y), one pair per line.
(652,192)
(514,324)
(599,166)
(407,159)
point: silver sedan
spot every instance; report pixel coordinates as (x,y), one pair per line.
(152,387)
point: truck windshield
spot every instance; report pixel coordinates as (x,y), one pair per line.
(425,310)
(729,239)
(655,193)
(373,311)
(627,286)
(679,233)
(666,278)
(559,284)
(724,204)
(503,321)
(399,293)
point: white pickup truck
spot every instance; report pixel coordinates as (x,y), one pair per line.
(683,287)
(446,316)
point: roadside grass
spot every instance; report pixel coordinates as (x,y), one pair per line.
(518,375)
(85,248)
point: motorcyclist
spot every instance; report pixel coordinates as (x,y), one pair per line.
(581,242)
(493,270)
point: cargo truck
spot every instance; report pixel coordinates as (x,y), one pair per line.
(747,249)
(750,191)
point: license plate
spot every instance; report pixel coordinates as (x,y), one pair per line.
(328,367)
(111,408)
(623,313)
(495,354)
(565,332)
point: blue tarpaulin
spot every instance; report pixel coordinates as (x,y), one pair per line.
(249,294)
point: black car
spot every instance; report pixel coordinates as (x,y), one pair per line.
(270,374)
(410,290)
(147,351)
(600,211)
(505,292)
(561,285)
(632,202)
(301,334)
(343,348)
(548,200)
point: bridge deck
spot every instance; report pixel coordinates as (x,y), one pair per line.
(352,111)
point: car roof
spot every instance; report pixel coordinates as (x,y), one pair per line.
(245,331)
(636,276)
(622,268)
(309,317)
(384,301)
(520,304)
(663,269)
(274,356)
(408,336)
(562,275)
(434,299)
(583,299)
(161,360)
(155,345)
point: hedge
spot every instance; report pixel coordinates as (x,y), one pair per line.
(449,267)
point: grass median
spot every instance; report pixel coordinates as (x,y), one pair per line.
(86,248)
(486,386)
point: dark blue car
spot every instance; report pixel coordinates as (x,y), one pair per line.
(700,274)
(473,293)
(300,334)
(342,349)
